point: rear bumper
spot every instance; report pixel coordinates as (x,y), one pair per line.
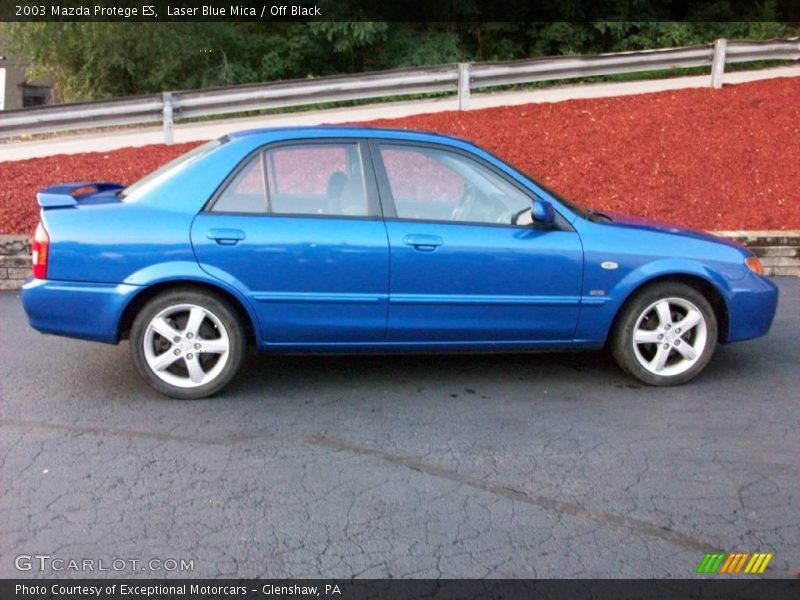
(751,309)
(89,311)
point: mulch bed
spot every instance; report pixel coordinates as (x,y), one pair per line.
(708,159)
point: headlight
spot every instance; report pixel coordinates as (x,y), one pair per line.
(754,264)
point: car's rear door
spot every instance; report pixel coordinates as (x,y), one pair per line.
(467,264)
(298,226)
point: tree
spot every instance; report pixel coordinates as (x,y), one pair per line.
(101,60)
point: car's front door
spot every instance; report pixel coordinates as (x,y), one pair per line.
(467,264)
(298,226)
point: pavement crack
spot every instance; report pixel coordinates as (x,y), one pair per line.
(560,507)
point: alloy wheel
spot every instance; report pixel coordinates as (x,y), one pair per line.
(669,337)
(186,345)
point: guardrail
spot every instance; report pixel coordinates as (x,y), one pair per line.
(458,78)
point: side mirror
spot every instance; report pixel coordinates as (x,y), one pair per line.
(543,212)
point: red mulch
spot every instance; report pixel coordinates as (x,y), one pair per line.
(710,159)
(21,179)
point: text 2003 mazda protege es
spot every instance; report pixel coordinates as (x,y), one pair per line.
(334,239)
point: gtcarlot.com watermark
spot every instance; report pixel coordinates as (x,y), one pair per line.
(57,564)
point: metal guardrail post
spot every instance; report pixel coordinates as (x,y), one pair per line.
(463,86)
(167,117)
(718,63)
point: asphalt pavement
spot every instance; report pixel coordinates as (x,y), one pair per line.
(549,465)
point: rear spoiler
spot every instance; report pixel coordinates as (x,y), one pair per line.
(64,195)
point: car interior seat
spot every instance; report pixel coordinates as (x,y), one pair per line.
(345,195)
(336,185)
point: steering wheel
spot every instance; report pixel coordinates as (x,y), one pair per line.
(515,217)
(464,204)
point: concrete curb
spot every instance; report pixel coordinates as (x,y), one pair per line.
(15,261)
(779,252)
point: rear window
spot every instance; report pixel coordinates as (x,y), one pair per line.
(148,182)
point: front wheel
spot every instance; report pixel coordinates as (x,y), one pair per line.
(187,344)
(665,335)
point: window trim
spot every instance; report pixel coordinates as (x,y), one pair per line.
(388,203)
(374,207)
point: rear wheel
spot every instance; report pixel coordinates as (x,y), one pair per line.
(187,344)
(665,335)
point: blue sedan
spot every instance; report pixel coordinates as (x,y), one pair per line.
(347,239)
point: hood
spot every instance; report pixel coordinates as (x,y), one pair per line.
(660,226)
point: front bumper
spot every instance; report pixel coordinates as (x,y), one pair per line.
(751,308)
(89,311)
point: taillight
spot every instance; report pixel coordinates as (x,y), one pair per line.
(40,252)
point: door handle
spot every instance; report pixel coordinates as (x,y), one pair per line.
(423,243)
(226,237)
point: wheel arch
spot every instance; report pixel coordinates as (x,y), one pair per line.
(705,287)
(133,307)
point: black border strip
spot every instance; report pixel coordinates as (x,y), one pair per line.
(378,589)
(473,11)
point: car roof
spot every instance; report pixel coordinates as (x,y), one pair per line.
(347,131)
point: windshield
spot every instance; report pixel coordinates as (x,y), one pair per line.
(148,182)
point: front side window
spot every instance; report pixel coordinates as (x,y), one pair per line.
(438,185)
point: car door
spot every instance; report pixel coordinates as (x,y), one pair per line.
(467,263)
(298,226)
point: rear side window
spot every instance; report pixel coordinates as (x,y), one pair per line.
(300,179)
(246,193)
(317,179)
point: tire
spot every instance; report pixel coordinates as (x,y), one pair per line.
(187,344)
(665,335)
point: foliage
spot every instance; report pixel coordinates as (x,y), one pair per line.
(102,60)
